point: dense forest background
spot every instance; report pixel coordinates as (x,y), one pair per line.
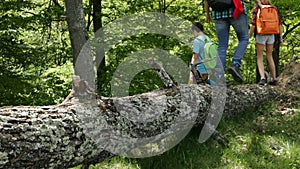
(36,55)
(36,67)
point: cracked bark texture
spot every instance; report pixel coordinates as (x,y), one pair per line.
(51,136)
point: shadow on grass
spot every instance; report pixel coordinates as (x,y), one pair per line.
(272,140)
(189,153)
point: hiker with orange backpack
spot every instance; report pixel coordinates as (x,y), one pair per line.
(265,23)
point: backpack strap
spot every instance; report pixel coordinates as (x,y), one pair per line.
(266,6)
(203,39)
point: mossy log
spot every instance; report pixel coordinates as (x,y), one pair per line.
(53,137)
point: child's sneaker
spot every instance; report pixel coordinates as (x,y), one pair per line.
(273,82)
(262,81)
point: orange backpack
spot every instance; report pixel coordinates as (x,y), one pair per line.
(267,21)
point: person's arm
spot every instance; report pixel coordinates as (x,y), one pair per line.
(196,51)
(280,34)
(280,29)
(251,30)
(194,58)
(193,62)
(207,12)
(253,22)
(259,3)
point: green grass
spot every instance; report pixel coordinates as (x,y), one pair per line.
(265,138)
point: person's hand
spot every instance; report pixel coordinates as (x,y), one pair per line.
(250,32)
(281,41)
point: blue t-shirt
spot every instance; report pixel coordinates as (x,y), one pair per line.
(198,48)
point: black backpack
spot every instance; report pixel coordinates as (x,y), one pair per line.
(220,5)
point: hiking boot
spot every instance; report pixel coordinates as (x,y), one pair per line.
(234,70)
(273,82)
(262,81)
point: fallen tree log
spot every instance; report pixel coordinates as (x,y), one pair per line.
(51,136)
(55,136)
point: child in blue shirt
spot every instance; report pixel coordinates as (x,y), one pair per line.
(198,50)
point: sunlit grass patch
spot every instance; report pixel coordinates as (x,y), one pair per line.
(266,139)
(117,163)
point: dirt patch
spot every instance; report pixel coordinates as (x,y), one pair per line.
(289,79)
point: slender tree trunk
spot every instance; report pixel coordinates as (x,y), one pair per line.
(82,58)
(97,14)
(97,20)
(276,53)
(76,24)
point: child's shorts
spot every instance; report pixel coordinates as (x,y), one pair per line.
(265,39)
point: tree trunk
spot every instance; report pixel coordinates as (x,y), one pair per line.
(100,54)
(276,53)
(82,60)
(53,137)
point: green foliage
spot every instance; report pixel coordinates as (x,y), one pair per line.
(34,37)
(56,82)
(36,69)
(29,87)
(146,80)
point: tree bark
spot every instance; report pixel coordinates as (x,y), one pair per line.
(82,59)
(52,137)
(97,21)
(76,24)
